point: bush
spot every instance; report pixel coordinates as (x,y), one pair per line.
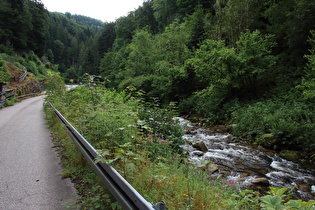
(289,125)
(139,141)
(4,75)
(10,101)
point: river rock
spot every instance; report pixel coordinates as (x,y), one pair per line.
(261,148)
(189,143)
(200,146)
(304,187)
(197,153)
(260,181)
(212,168)
(244,175)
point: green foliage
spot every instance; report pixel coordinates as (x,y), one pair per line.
(31,63)
(140,139)
(291,23)
(276,124)
(277,199)
(165,11)
(10,101)
(246,199)
(254,52)
(55,86)
(151,63)
(71,43)
(164,133)
(23,24)
(229,73)
(142,55)
(237,17)
(308,82)
(85,21)
(4,75)
(107,38)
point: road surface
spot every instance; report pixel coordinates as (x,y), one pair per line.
(29,167)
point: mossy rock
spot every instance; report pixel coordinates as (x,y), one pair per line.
(267,140)
(200,146)
(290,155)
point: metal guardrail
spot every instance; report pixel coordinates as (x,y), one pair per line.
(124,193)
(22,77)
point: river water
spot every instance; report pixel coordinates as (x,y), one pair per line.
(243,165)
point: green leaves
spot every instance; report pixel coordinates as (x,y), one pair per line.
(4,75)
(278,199)
(272,202)
(308,82)
(229,73)
(276,123)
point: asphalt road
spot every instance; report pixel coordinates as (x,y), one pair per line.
(29,166)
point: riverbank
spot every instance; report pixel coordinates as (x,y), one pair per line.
(245,165)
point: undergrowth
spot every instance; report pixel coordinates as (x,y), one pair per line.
(141,141)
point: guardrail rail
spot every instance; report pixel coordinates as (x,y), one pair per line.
(22,77)
(124,193)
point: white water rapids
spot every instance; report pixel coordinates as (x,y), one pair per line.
(243,165)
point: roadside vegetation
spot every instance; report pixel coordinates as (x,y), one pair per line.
(141,141)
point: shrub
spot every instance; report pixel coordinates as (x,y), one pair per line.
(290,125)
(4,75)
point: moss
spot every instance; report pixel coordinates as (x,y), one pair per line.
(266,140)
(290,155)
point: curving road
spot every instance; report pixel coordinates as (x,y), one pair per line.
(29,166)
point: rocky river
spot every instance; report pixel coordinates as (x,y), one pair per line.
(243,165)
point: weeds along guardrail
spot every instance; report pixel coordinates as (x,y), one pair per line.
(123,192)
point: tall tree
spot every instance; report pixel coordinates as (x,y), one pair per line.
(144,17)
(15,21)
(291,21)
(237,16)
(37,35)
(107,38)
(165,11)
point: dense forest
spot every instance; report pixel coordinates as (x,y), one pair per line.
(245,63)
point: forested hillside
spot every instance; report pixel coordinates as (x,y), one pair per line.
(63,39)
(245,63)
